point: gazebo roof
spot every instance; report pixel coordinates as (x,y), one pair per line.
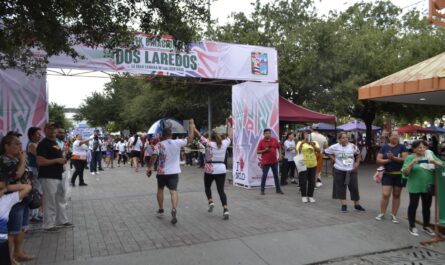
(422,83)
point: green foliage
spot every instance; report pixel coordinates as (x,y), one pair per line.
(57,115)
(135,103)
(55,26)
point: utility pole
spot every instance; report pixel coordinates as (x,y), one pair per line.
(209,100)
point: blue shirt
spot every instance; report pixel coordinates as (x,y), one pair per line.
(397,152)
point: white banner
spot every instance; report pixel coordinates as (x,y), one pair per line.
(254,108)
(206,59)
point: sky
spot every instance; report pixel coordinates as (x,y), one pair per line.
(71,91)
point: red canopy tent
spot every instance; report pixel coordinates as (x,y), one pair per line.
(291,112)
(412,129)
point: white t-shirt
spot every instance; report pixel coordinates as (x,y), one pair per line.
(80,149)
(121,147)
(214,154)
(344,155)
(289,155)
(7,201)
(320,139)
(137,146)
(168,152)
(148,149)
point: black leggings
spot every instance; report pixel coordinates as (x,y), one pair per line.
(122,157)
(79,166)
(306,180)
(219,179)
(427,200)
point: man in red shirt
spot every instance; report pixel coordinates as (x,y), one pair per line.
(267,148)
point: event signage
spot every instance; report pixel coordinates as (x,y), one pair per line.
(254,108)
(158,56)
(23,102)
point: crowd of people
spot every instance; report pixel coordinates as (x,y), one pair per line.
(37,173)
(400,167)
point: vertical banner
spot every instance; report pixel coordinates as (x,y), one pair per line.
(23,102)
(254,108)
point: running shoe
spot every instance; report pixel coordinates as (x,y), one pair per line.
(344,209)
(359,208)
(318,184)
(312,200)
(174,219)
(394,219)
(65,225)
(226,214)
(380,217)
(280,192)
(429,231)
(93,173)
(304,200)
(83,184)
(413,231)
(211,206)
(51,230)
(160,212)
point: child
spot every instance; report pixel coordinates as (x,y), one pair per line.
(7,201)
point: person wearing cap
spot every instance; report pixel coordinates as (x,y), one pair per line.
(267,148)
(322,141)
(51,163)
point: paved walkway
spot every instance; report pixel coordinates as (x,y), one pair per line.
(115,223)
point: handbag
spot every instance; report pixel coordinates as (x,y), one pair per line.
(299,162)
(34,199)
(379,174)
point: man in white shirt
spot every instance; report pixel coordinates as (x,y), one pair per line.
(322,141)
(168,153)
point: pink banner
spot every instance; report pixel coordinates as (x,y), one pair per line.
(254,108)
(23,102)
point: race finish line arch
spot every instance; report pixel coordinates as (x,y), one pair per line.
(24,100)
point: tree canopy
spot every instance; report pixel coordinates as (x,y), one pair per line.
(322,61)
(55,26)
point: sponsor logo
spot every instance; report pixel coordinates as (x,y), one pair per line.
(259,63)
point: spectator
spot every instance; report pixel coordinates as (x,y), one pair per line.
(322,141)
(288,162)
(13,170)
(346,159)
(96,153)
(31,151)
(418,169)
(306,179)
(79,158)
(391,156)
(51,166)
(267,148)
(10,196)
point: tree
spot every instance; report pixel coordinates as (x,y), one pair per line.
(133,102)
(57,115)
(55,26)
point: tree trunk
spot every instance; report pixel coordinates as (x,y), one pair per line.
(368,116)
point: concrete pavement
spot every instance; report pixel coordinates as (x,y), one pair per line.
(115,223)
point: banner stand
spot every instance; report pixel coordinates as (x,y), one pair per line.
(254,108)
